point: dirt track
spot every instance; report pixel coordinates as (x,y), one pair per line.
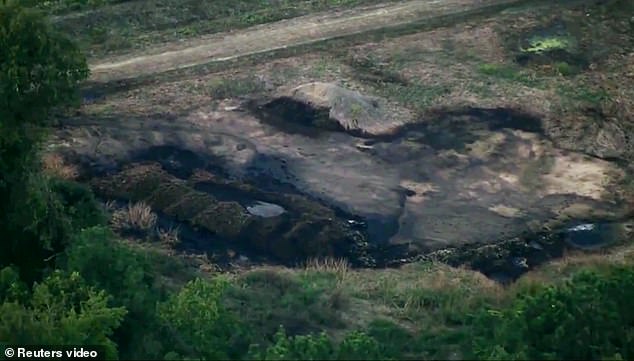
(284,34)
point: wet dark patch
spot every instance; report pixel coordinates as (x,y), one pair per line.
(295,117)
(89,96)
(590,236)
(507,261)
(380,229)
(177,161)
(454,129)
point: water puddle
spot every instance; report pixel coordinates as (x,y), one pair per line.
(508,263)
(265,209)
(590,236)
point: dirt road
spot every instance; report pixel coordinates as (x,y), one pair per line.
(284,34)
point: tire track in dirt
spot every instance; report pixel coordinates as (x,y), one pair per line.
(281,35)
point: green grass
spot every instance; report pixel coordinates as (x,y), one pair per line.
(416,95)
(509,73)
(583,94)
(301,303)
(405,308)
(233,87)
(539,45)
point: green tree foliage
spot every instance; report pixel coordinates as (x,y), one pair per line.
(198,325)
(131,277)
(588,317)
(39,71)
(78,203)
(61,310)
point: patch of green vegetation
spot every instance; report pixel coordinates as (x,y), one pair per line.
(581,93)
(300,302)
(538,45)
(355,346)
(415,95)
(234,87)
(562,321)
(62,309)
(509,73)
(65,6)
(565,69)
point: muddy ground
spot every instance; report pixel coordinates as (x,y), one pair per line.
(494,147)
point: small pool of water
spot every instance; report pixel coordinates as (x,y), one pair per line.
(541,248)
(589,236)
(265,209)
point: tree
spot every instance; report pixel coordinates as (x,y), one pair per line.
(199,325)
(130,276)
(61,310)
(39,70)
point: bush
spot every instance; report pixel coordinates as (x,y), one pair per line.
(394,341)
(131,276)
(355,346)
(301,302)
(199,326)
(588,317)
(79,204)
(136,219)
(41,70)
(61,310)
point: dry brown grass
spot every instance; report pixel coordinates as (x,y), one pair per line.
(110,206)
(339,266)
(137,217)
(54,165)
(425,292)
(169,237)
(573,261)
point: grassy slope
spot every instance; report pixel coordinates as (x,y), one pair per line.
(422,308)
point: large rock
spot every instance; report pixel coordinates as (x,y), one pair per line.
(336,108)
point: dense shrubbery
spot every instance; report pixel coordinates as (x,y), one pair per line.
(60,310)
(355,346)
(587,318)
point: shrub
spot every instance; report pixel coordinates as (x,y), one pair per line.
(61,310)
(198,325)
(302,302)
(394,341)
(138,219)
(132,277)
(79,204)
(338,266)
(355,346)
(169,236)
(588,317)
